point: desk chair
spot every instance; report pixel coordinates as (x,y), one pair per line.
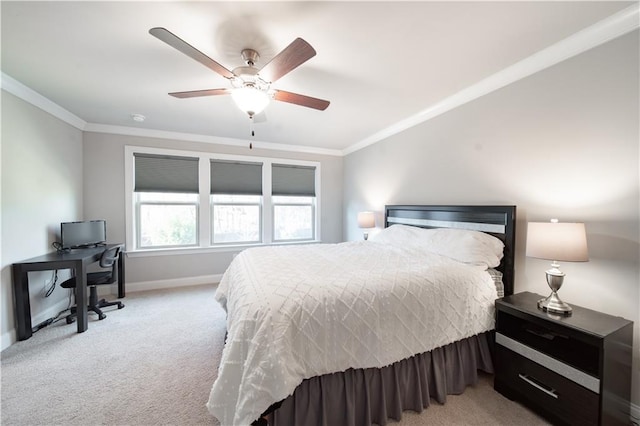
(109,259)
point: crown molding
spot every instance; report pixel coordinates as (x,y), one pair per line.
(13,86)
(599,33)
(192,137)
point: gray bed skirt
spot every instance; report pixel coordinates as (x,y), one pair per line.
(372,396)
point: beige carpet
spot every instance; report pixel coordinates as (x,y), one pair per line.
(153,363)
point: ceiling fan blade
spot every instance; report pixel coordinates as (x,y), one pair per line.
(302,100)
(197,93)
(177,43)
(297,53)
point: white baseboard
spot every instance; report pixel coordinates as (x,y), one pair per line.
(8,339)
(172,283)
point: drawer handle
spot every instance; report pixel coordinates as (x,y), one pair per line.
(544,335)
(533,382)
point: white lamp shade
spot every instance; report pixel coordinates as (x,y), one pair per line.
(565,242)
(250,100)
(366,220)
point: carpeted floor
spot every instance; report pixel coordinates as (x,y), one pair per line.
(153,363)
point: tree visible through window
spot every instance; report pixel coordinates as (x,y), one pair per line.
(236,218)
(167,219)
(293,218)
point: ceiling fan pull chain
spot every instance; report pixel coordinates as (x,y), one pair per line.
(251,130)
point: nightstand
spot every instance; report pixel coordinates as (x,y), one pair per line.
(573,370)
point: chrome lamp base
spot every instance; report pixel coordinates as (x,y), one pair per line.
(553,304)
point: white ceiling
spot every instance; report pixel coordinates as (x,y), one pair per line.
(377,62)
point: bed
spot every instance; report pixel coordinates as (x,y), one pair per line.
(355,333)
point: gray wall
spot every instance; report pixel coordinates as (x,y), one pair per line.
(104,198)
(562,143)
(41,187)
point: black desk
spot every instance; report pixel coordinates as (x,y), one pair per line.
(78,260)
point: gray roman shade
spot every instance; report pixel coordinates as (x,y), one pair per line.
(293,180)
(165,173)
(236,177)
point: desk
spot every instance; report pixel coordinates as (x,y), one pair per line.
(78,260)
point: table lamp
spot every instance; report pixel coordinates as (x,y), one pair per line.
(366,220)
(556,241)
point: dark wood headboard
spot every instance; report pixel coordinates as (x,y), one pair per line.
(499,221)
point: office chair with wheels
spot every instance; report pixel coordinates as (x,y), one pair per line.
(109,259)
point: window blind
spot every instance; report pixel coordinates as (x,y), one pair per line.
(164,173)
(236,177)
(293,180)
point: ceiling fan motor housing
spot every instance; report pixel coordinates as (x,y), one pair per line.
(247,76)
(250,57)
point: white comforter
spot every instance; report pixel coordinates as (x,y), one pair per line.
(301,311)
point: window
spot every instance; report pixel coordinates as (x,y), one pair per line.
(166,200)
(236,201)
(293,196)
(293,218)
(198,200)
(167,219)
(236,218)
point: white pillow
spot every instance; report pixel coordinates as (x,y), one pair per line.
(472,247)
(396,235)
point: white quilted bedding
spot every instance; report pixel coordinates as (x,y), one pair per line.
(301,311)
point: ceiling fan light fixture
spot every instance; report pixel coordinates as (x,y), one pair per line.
(250,99)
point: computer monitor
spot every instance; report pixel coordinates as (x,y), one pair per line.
(83,234)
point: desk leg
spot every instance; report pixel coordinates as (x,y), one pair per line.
(81,296)
(121,292)
(22,307)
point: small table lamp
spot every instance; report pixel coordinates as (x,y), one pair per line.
(366,220)
(556,241)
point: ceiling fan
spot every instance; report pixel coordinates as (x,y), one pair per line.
(251,87)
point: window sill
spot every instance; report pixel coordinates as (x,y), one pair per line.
(232,248)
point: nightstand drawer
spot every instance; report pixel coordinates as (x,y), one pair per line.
(558,367)
(552,340)
(558,397)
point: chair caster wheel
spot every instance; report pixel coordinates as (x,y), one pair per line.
(101,317)
(121,305)
(70,320)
